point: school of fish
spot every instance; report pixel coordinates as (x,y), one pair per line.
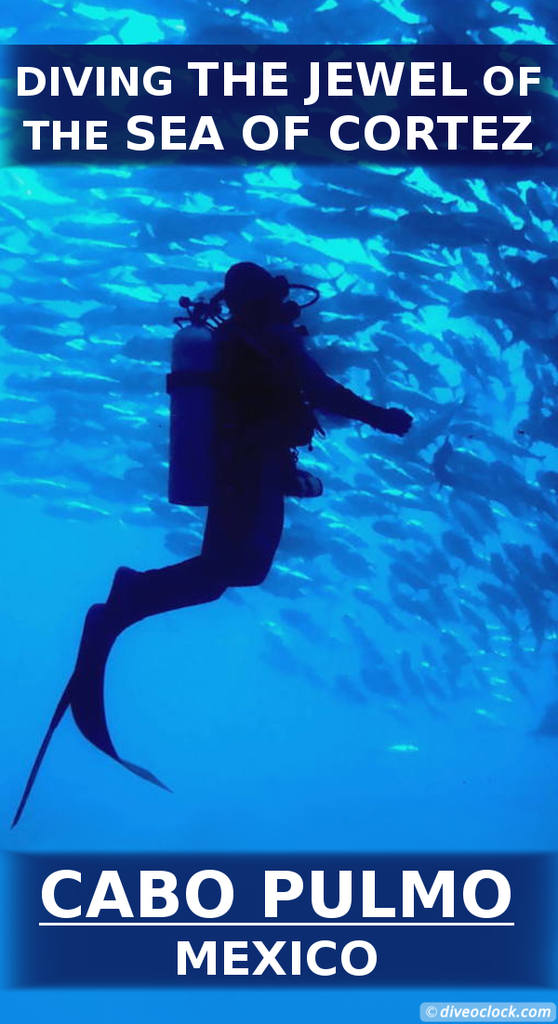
(431,561)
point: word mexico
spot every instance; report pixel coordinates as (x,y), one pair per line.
(298,102)
(308,919)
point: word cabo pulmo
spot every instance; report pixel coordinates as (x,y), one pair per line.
(156,893)
(262,132)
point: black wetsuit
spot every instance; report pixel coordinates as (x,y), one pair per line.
(270,387)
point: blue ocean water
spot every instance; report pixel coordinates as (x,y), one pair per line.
(392,684)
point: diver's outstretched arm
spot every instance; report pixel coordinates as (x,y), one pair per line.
(328,395)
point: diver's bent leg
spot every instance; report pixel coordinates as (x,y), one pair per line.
(137,595)
(243,528)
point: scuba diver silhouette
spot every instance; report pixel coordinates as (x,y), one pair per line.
(254,388)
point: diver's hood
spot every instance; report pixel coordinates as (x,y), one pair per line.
(252,295)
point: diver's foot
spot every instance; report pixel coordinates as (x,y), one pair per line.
(127,597)
(98,635)
(124,585)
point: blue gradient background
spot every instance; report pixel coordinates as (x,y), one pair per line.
(307,714)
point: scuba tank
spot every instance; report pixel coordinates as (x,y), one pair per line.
(192,387)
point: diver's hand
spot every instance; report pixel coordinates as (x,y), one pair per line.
(393,421)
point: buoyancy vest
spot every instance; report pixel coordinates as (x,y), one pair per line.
(231,389)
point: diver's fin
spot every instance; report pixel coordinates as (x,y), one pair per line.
(63,704)
(87,697)
(106,747)
(87,704)
(90,717)
(84,695)
(61,708)
(143,774)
